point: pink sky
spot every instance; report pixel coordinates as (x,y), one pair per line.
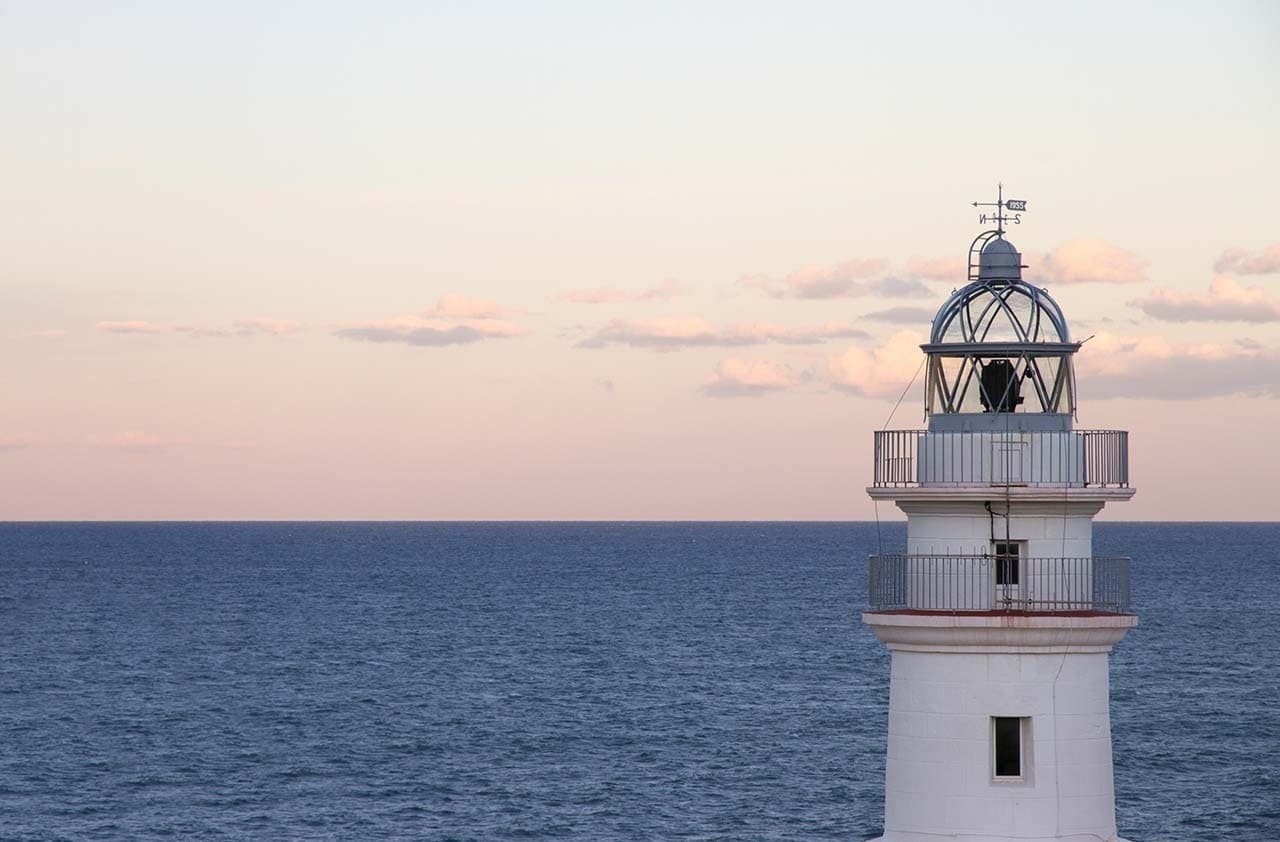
(393,262)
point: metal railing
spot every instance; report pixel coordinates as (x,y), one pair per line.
(959,583)
(1075,458)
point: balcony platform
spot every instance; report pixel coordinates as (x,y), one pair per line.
(993,612)
(987,492)
(1000,632)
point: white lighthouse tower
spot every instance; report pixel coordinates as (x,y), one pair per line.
(998,616)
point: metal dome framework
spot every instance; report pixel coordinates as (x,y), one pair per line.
(995,336)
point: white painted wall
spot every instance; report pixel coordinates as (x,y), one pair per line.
(1049,531)
(939,778)
(1031,458)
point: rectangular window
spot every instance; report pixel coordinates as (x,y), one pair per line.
(1007,553)
(1007,733)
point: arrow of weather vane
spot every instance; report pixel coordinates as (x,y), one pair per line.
(1001,204)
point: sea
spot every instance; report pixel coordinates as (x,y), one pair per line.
(586,681)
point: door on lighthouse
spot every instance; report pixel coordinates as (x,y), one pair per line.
(1010,459)
(1008,574)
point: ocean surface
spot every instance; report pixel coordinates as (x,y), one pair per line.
(588,681)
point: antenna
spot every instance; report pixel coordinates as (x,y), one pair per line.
(1001,204)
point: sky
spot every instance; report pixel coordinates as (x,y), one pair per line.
(408,260)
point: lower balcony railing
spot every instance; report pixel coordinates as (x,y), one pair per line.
(958,583)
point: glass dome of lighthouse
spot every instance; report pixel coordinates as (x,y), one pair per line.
(999,352)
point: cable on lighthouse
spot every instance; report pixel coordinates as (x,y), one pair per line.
(875,504)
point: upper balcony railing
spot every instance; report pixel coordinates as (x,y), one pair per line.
(1073,459)
(973,583)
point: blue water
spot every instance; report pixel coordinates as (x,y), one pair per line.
(557,681)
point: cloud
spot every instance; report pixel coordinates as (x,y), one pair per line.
(612,295)
(843,280)
(951,269)
(1239,262)
(675,334)
(461,307)
(836,281)
(54,333)
(879,372)
(1075,262)
(428,333)
(455,320)
(240,327)
(200,331)
(1226,301)
(1151,367)
(13,443)
(850,279)
(903,315)
(895,287)
(130,327)
(599,295)
(735,378)
(275,327)
(1089,261)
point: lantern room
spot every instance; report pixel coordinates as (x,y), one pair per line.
(999,346)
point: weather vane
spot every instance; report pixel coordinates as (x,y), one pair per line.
(1001,204)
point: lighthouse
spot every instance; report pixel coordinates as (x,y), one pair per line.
(997,615)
